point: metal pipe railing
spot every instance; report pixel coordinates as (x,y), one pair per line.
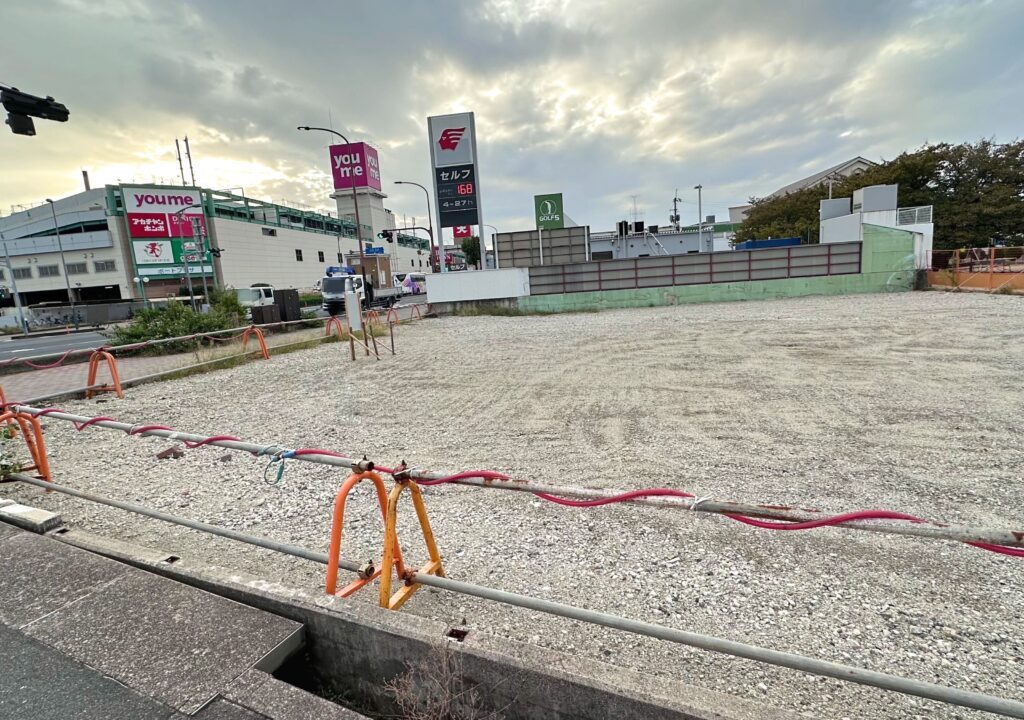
(928,530)
(813,666)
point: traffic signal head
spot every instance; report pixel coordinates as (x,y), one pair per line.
(387,235)
(22,107)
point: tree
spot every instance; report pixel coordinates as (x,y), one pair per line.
(976,190)
(471,248)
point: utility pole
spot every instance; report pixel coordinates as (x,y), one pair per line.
(188,154)
(64,266)
(180,166)
(14,288)
(675,211)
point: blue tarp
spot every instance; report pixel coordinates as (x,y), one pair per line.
(772,243)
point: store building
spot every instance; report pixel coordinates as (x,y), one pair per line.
(122,241)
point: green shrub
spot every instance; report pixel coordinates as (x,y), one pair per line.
(176,319)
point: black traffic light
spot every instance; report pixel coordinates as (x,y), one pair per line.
(216,251)
(22,107)
(388,235)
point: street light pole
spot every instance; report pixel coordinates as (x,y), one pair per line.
(430,220)
(700,218)
(355,204)
(197,232)
(64,265)
(184,256)
(494,243)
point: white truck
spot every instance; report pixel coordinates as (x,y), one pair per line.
(255,296)
(334,286)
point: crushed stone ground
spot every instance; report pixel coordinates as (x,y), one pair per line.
(913,402)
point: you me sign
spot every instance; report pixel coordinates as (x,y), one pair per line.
(355,165)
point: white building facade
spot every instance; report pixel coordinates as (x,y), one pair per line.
(843,219)
(101,256)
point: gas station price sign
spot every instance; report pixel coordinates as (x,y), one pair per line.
(456,195)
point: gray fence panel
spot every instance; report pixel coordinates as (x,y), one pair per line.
(692,269)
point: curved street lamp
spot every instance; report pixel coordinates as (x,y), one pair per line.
(430,220)
(355,204)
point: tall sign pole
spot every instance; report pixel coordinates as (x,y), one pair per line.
(453,156)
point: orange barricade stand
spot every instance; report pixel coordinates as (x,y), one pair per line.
(392,311)
(94,366)
(253,330)
(32,431)
(371,316)
(337,325)
(392,559)
(334,554)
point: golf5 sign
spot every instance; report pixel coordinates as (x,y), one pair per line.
(548,211)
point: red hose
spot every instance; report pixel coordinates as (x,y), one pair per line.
(146,428)
(54,364)
(91,421)
(317,451)
(78,426)
(631,495)
(623,497)
(824,522)
(1001,549)
(485,474)
(212,438)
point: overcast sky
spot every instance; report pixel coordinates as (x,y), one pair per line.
(600,100)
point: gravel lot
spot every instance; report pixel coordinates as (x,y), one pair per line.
(911,402)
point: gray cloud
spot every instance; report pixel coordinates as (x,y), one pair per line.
(599,99)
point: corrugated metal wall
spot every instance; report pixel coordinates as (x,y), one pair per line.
(695,269)
(523,249)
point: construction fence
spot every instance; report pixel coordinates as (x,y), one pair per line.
(991,269)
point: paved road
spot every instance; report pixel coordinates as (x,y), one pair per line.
(404,301)
(32,346)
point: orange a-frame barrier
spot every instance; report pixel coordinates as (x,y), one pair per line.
(253,330)
(392,557)
(369,574)
(94,366)
(32,431)
(337,325)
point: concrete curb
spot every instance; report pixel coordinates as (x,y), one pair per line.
(29,518)
(355,647)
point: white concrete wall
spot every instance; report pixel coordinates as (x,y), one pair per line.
(845,228)
(480,285)
(252,257)
(922,243)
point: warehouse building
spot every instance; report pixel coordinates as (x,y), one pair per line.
(121,242)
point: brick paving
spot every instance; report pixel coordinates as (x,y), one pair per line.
(26,385)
